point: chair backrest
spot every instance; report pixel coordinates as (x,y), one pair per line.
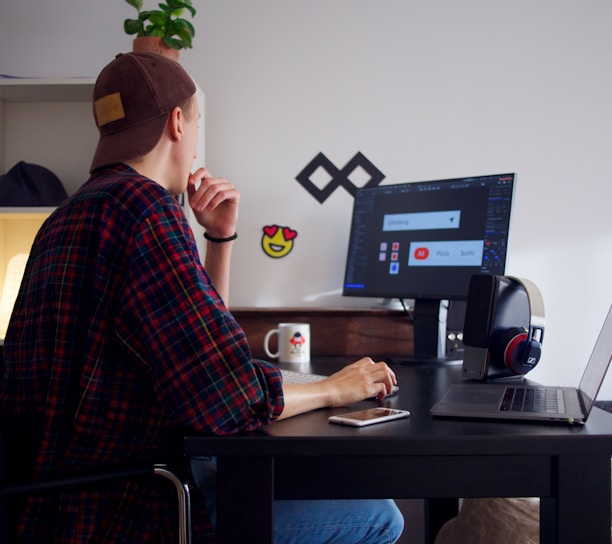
(20,487)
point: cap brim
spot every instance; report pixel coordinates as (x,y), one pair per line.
(128,144)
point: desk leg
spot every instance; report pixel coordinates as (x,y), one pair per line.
(245,499)
(437,513)
(581,511)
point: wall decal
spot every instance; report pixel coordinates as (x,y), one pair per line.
(340,177)
(277,241)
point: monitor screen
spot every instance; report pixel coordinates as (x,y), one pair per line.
(424,240)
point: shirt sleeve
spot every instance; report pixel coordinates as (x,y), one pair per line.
(175,323)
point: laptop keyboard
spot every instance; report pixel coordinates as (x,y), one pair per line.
(532,399)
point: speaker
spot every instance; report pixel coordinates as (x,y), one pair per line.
(455,318)
(504,327)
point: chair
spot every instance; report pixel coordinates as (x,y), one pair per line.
(16,489)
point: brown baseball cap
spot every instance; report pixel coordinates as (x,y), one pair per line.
(132,98)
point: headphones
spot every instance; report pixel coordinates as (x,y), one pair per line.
(518,349)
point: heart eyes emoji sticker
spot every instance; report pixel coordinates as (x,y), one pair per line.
(277,241)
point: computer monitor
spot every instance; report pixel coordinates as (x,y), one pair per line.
(424,241)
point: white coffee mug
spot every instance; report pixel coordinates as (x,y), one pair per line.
(293,343)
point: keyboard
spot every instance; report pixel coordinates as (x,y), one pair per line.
(531,399)
(292,376)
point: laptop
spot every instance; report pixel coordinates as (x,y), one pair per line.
(528,402)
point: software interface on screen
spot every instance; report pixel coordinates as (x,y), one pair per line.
(426,239)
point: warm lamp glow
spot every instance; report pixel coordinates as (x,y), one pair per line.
(12,281)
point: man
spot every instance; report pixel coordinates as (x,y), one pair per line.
(121,341)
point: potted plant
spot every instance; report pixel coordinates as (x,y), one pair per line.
(165,27)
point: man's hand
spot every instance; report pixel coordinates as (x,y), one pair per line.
(214,202)
(358,381)
(361,380)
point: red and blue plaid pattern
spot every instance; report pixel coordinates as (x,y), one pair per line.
(119,343)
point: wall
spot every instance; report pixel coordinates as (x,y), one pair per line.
(425,90)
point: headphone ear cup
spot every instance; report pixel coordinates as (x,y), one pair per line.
(516,351)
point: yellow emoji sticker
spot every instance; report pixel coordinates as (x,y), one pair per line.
(277,241)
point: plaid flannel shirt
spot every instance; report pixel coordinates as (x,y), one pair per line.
(118,343)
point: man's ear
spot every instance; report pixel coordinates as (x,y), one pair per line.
(175,123)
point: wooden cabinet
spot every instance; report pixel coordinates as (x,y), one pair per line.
(353,332)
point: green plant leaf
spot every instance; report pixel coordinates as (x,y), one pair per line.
(173,43)
(146,15)
(179,5)
(187,26)
(158,19)
(175,4)
(133,26)
(166,9)
(185,36)
(165,22)
(135,3)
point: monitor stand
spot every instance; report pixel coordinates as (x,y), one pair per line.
(429,318)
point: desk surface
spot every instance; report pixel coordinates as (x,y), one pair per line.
(420,457)
(421,385)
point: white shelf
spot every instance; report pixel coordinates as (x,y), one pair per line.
(46,89)
(13,212)
(48,122)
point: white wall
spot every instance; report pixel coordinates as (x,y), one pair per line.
(425,90)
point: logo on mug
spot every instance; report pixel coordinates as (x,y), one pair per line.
(297,341)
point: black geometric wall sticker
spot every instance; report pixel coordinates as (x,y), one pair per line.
(339,177)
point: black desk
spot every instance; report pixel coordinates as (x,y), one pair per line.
(421,457)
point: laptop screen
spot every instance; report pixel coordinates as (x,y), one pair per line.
(598,365)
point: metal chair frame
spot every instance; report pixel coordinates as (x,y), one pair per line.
(11,489)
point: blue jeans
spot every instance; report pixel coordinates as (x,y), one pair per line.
(316,521)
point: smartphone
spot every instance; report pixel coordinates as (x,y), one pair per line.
(369,416)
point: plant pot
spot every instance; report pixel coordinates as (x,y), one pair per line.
(153,44)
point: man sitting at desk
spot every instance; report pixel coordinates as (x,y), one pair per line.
(121,341)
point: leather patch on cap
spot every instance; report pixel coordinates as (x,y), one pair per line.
(109,108)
